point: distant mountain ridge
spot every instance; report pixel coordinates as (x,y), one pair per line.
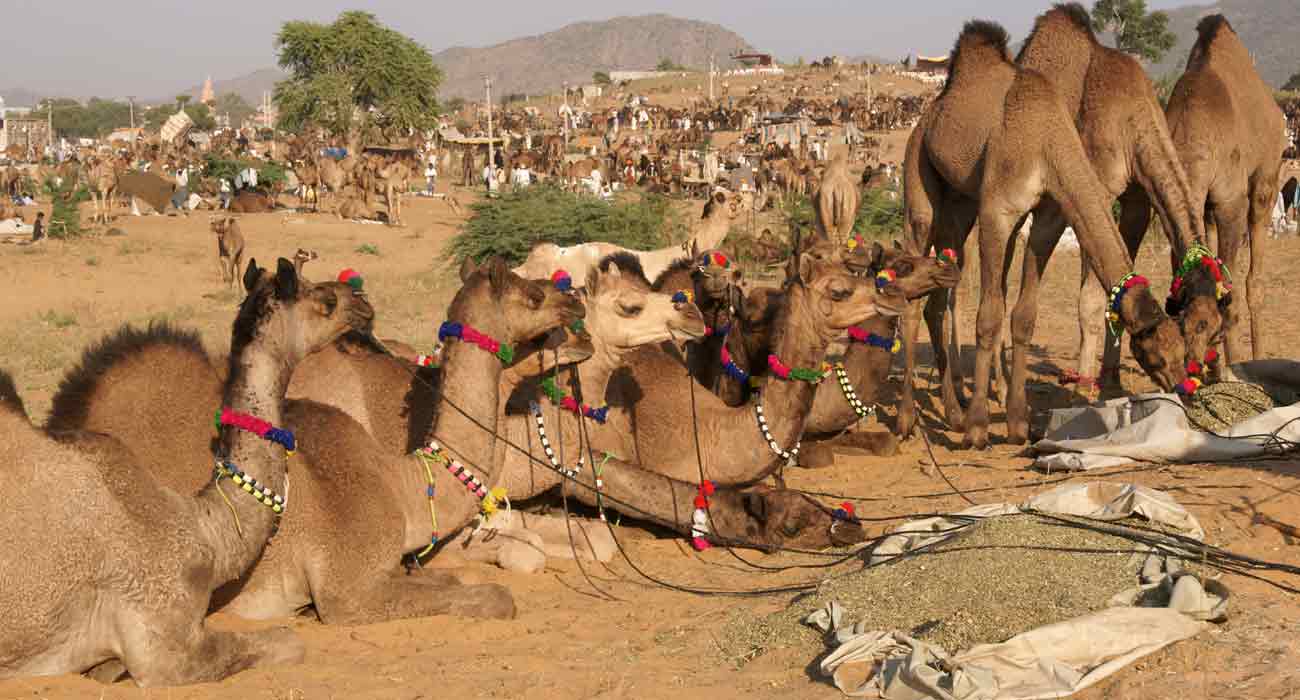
(540,64)
(1269,28)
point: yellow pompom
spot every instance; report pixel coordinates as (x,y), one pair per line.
(896,346)
(851,243)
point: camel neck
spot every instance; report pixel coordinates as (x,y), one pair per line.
(787,402)
(470,380)
(238,524)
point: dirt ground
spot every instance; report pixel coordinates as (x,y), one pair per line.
(633,638)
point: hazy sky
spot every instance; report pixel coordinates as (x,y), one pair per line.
(154,48)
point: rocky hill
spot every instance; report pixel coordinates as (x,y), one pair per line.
(1268,27)
(537,64)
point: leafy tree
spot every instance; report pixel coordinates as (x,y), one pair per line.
(1164,87)
(1292,83)
(354,72)
(182,100)
(1138,32)
(454,105)
(65,202)
(234,107)
(667,64)
(92,120)
(600,77)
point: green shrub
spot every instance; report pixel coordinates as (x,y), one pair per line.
(368,249)
(511,225)
(880,214)
(65,209)
(268,173)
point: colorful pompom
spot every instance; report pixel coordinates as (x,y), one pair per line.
(351,278)
(885,277)
(684,296)
(562,280)
(948,256)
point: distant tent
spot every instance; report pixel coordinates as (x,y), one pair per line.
(932,64)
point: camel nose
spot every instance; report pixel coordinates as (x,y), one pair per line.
(847,532)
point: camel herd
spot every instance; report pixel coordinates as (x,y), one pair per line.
(643,382)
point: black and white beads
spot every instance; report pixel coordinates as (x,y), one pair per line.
(571,473)
(851,395)
(263,494)
(788,455)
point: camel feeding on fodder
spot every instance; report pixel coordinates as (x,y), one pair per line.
(646,423)
(720,213)
(835,203)
(995,143)
(1230,134)
(230,248)
(1128,144)
(143,608)
(342,552)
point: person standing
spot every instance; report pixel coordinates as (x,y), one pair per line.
(38,228)
(431,172)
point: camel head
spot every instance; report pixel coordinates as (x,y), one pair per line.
(1200,304)
(913,275)
(730,205)
(624,313)
(221,224)
(508,307)
(295,317)
(834,297)
(1157,343)
(716,278)
(781,518)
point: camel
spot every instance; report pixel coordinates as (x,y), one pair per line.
(1230,135)
(101,179)
(992,146)
(651,403)
(141,600)
(302,257)
(230,248)
(836,201)
(720,212)
(1126,139)
(316,559)
(713,284)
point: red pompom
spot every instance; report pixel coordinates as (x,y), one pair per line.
(347,274)
(1193,367)
(1211,355)
(700,544)
(707,488)
(848,508)
(701,502)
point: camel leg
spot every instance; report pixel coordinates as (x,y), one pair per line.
(236,264)
(348,599)
(1231,216)
(184,652)
(1043,237)
(907,397)
(1263,190)
(995,225)
(954,230)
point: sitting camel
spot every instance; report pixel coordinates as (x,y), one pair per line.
(720,212)
(713,284)
(317,561)
(995,144)
(230,248)
(124,570)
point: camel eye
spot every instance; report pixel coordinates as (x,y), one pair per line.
(840,294)
(634,310)
(790,529)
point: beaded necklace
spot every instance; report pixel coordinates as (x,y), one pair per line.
(791,455)
(1199,256)
(224,416)
(859,335)
(700,518)
(1117,293)
(568,403)
(489,500)
(850,394)
(467,333)
(572,473)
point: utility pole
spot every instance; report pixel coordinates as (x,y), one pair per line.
(710,78)
(49,124)
(130,100)
(564,122)
(487,88)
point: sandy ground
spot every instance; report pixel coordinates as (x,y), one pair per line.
(631,638)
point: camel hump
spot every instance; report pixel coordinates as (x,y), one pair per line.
(1209,27)
(1074,12)
(73,397)
(985,32)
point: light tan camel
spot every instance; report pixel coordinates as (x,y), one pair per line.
(105,563)
(1124,134)
(836,201)
(230,248)
(994,144)
(650,417)
(720,213)
(1231,135)
(101,179)
(347,488)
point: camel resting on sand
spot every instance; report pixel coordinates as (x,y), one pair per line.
(720,212)
(104,564)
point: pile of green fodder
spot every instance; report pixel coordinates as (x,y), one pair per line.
(996,579)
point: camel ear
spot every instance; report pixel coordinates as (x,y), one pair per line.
(898,245)
(695,250)
(805,267)
(251,275)
(877,253)
(286,280)
(498,273)
(719,197)
(467,269)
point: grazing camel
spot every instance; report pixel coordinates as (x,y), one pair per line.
(720,212)
(1230,135)
(1125,137)
(348,489)
(105,563)
(836,201)
(230,248)
(994,144)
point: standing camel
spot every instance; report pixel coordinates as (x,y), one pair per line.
(101,180)
(1230,135)
(230,248)
(106,564)
(836,201)
(995,144)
